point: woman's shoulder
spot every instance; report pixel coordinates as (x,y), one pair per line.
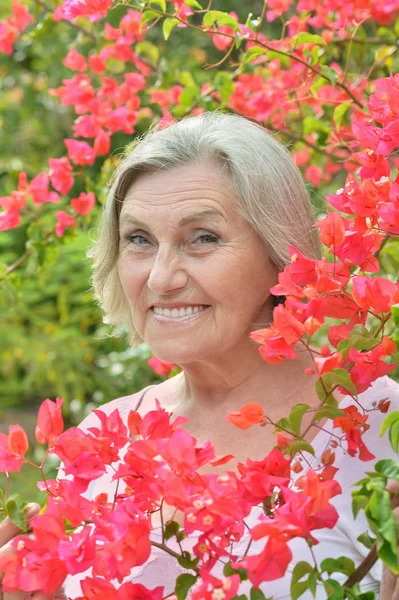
(143,401)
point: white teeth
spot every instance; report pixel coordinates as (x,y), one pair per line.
(177,312)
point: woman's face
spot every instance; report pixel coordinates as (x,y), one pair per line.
(193,270)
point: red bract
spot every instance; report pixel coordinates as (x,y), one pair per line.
(136,591)
(18,440)
(354,425)
(50,423)
(160,367)
(270,564)
(9,461)
(248,415)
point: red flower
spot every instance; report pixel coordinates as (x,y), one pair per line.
(353,424)
(50,423)
(248,415)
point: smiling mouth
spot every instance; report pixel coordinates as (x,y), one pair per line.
(178,313)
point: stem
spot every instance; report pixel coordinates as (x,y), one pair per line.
(171,552)
(363,568)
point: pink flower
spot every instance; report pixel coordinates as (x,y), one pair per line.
(61,174)
(84,203)
(78,552)
(80,152)
(50,423)
(93,9)
(64,220)
(160,367)
(75,61)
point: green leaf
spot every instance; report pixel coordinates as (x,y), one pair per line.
(307,38)
(14,510)
(394,436)
(342,378)
(365,539)
(334,590)
(300,446)
(330,73)
(338,565)
(171,529)
(168,26)
(228,570)
(254,52)
(328,412)
(388,467)
(382,523)
(251,23)
(222,18)
(183,584)
(296,416)
(193,4)
(319,82)
(257,594)
(149,50)
(339,113)
(301,570)
(389,420)
(392,422)
(160,3)
(186,561)
(359,502)
(148,15)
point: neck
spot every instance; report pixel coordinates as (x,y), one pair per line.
(226,383)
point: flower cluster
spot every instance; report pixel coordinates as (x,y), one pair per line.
(161,463)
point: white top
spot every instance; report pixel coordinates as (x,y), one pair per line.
(162,569)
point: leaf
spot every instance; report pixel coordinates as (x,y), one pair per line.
(342,564)
(307,38)
(14,510)
(168,26)
(391,421)
(257,594)
(342,378)
(300,446)
(229,570)
(222,18)
(388,467)
(148,15)
(160,3)
(382,522)
(330,73)
(186,561)
(193,4)
(334,590)
(149,50)
(298,587)
(319,82)
(171,529)
(359,502)
(328,412)
(254,52)
(183,584)
(296,416)
(365,539)
(339,112)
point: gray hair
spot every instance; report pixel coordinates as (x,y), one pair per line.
(272,195)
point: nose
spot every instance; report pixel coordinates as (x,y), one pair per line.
(167,272)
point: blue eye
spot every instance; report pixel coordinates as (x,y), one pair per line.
(136,236)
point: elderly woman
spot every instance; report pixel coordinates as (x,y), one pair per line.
(195,230)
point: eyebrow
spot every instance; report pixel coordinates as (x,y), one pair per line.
(209,212)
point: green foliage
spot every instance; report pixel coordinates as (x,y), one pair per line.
(183,584)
